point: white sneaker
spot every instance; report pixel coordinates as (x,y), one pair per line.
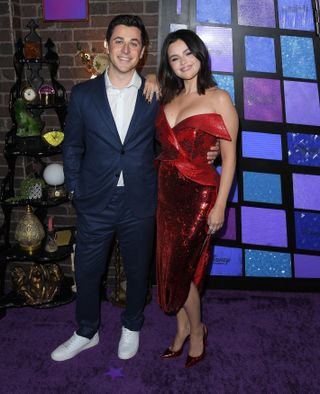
(129,344)
(74,346)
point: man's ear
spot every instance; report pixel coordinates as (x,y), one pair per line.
(105,44)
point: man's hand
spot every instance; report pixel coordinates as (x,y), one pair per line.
(151,87)
(213,153)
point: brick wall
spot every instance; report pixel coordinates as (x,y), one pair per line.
(14,16)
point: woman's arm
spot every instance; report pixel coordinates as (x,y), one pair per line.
(223,106)
(151,87)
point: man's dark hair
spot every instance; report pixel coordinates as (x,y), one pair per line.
(128,20)
(170,84)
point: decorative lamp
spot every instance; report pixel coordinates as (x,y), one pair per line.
(32,42)
(54,177)
(29,231)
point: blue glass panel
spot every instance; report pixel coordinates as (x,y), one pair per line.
(262,187)
(267,264)
(261,145)
(260,55)
(225,82)
(307,230)
(226,261)
(214,11)
(256,13)
(304,149)
(295,15)
(298,57)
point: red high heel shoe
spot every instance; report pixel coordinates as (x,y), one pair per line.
(169,353)
(191,361)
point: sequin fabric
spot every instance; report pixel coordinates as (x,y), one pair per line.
(187,190)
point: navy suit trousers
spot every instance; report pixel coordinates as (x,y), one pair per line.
(95,233)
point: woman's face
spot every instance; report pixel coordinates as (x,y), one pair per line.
(183,63)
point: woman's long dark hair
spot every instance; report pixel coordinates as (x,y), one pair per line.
(170,84)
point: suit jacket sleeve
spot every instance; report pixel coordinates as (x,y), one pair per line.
(73,145)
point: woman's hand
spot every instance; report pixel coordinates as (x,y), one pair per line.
(151,87)
(213,153)
(216,219)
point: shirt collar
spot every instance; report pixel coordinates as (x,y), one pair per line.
(135,81)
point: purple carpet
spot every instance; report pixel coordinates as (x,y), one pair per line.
(259,342)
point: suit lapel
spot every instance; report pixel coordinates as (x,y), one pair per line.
(136,113)
(101,102)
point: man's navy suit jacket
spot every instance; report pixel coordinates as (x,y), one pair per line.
(93,154)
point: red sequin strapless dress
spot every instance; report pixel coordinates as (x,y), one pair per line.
(187,190)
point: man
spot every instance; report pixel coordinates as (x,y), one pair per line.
(108,159)
(108,156)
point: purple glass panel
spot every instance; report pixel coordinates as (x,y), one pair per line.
(263,226)
(262,99)
(302,103)
(65,10)
(179,7)
(306,191)
(226,261)
(306,266)
(228,230)
(219,43)
(256,13)
(296,15)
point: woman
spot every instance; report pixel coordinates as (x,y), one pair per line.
(191,197)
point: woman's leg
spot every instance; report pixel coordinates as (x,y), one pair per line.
(183,330)
(192,308)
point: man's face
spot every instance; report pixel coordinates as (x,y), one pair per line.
(125,48)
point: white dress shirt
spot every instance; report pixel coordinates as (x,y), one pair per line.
(122,102)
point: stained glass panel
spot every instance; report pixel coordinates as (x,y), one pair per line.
(262,187)
(219,43)
(267,264)
(298,57)
(262,99)
(214,11)
(307,230)
(304,149)
(260,55)
(264,226)
(306,266)
(226,261)
(302,103)
(261,145)
(306,191)
(256,13)
(295,14)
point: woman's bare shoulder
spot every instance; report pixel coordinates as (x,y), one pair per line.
(219,98)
